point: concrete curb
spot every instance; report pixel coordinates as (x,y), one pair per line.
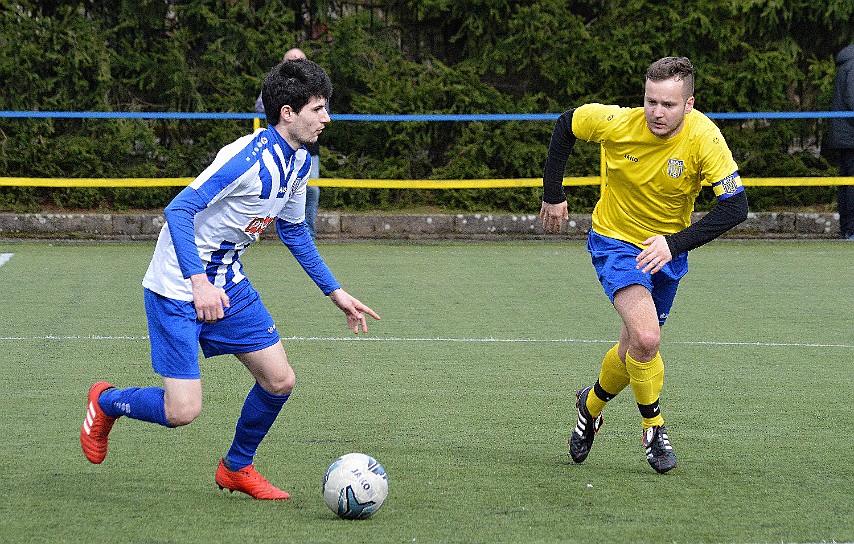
(137,226)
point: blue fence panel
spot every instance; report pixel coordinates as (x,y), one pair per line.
(394,117)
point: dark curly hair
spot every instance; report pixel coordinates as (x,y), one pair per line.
(293,83)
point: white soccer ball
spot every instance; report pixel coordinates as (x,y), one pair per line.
(355,486)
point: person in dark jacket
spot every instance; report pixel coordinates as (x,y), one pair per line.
(841,136)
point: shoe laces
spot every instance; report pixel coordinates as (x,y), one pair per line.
(254,475)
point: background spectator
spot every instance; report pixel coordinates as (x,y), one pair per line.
(841,136)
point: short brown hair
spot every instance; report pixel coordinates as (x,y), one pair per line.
(293,83)
(679,68)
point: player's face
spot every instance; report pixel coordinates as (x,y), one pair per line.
(665,106)
(305,127)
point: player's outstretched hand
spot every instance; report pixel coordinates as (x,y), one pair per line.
(353,309)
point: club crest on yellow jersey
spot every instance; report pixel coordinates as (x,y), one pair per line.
(675,167)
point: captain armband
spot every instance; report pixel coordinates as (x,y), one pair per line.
(729,186)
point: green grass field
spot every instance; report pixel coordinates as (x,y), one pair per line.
(464,392)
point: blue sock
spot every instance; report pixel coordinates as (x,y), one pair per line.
(145,404)
(257,416)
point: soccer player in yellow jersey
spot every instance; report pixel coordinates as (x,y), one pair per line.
(656,159)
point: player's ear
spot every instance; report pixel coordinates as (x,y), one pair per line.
(689,105)
(285,112)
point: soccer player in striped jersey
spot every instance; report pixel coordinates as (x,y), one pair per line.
(197,294)
(656,157)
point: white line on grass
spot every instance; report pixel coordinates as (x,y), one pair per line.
(51,337)
(4,258)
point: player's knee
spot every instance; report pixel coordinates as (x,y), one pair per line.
(646,343)
(281,385)
(183,413)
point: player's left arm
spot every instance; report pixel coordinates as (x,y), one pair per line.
(296,237)
(721,172)
(659,250)
(298,241)
(730,210)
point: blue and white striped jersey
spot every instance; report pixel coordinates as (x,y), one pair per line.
(251,183)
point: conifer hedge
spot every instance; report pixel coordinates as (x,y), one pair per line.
(394,56)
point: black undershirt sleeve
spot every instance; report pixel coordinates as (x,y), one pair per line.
(560,147)
(725,215)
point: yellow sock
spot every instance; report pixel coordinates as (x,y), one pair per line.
(646,380)
(613,378)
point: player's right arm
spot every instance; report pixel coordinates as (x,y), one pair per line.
(208,300)
(554,211)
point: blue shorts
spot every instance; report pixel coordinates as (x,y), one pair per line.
(615,265)
(176,334)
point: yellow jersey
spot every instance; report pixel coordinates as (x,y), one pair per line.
(650,183)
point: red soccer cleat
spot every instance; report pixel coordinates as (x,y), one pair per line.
(96,426)
(249,481)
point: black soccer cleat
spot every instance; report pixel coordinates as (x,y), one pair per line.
(659,452)
(585,428)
